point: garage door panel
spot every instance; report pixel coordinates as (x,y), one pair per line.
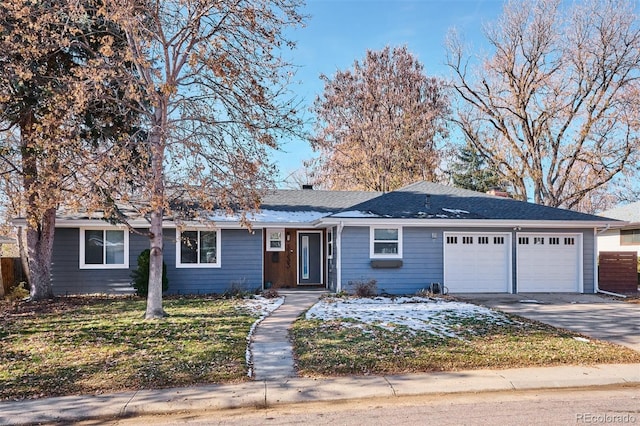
(548,263)
(477,263)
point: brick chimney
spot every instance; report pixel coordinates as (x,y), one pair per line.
(498,192)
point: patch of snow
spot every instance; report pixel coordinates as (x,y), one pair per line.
(455,211)
(533,301)
(581,339)
(435,316)
(274,216)
(263,307)
(355,213)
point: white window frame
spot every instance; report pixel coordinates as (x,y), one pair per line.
(84,265)
(329,243)
(271,231)
(372,242)
(179,263)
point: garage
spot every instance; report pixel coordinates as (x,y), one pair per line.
(548,263)
(477,262)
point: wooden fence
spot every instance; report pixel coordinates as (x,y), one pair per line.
(618,271)
(11,272)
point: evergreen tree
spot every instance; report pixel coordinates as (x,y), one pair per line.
(470,171)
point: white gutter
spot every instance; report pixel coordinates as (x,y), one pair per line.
(338,243)
(596,273)
(610,293)
(475,223)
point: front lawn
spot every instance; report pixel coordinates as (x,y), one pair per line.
(89,345)
(343,336)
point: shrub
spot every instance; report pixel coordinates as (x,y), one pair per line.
(363,288)
(270,293)
(141,275)
(18,292)
(238,289)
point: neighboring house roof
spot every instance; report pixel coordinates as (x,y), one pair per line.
(629,212)
(6,240)
(426,200)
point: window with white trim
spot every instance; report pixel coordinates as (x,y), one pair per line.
(104,248)
(569,241)
(498,240)
(329,243)
(386,242)
(198,249)
(467,240)
(538,240)
(275,239)
(483,240)
(554,241)
(629,237)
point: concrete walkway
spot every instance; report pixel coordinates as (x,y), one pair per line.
(271,351)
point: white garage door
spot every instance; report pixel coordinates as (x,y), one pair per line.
(549,263)
(477,263)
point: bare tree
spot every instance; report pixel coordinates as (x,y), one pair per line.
(212,86)
(378,123)
(554,108)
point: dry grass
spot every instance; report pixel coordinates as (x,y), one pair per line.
(91,345)
(330,348)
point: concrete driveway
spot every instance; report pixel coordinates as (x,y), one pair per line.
(597,316)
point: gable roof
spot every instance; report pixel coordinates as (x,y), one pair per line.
(418,201)
(629,212)
(314,200)
(427,200)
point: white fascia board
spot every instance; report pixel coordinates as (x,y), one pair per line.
(143,224)
(469,223)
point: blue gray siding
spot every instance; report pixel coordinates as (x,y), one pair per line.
(68,278)
(241,263)
(423,258)
(421,263)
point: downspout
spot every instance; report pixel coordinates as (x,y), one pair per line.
(338,243)
(595,264)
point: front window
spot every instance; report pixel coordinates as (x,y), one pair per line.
(386,243)
(196,248)
(104,249)
(329,244)
(629,237)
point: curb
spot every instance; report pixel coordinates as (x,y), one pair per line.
(296,390)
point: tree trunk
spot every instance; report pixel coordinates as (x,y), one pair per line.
(40,223)
(1,280)
(154,297)
(39,251)
(24,259)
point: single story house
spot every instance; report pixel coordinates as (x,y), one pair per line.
(406,240)
(626,238)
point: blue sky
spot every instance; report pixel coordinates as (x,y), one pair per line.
(340,31)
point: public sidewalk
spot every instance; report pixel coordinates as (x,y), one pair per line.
(294,390)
